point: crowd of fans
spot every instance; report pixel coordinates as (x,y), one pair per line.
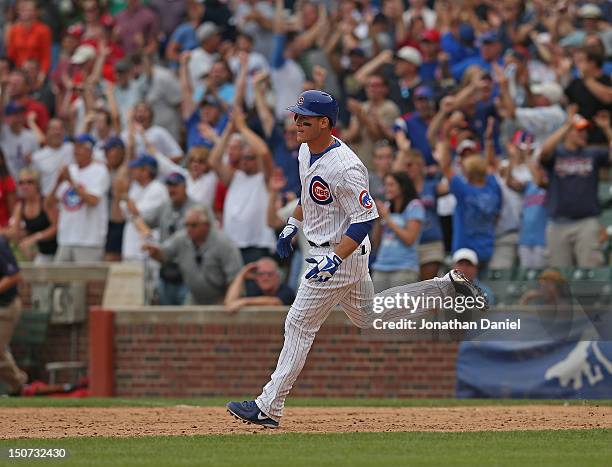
(156,131)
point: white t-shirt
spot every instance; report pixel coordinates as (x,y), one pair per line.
(428,15)
(244,212)
(255,64)
(200,63)
(158,137)
(202,190)
(512,207)
(48,162)
(80,224)
(16,146)
(287,82)
(147,200)
(540,121)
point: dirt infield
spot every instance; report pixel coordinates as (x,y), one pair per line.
(190,420)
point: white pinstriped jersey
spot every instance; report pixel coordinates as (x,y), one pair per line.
(335,193)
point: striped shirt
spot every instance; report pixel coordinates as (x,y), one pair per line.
(335,193)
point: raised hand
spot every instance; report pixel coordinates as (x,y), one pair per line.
(602,119)
(277,180)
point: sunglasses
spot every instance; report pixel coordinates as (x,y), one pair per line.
(27,182)
(248,158)
(198,259)
(193,225)
(265,273)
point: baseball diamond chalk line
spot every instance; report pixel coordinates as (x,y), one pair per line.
(53,423)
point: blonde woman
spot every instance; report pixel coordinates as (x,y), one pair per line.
(32,225)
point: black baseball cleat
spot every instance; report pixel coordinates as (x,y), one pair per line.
(249,412)
(464,286)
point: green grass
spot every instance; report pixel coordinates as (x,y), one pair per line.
(542,448)
(524,448)
(291,402)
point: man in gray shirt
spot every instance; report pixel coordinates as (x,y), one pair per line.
(207,258)
(169,218)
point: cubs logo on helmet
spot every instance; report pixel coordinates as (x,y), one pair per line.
(320,191)
(365,199)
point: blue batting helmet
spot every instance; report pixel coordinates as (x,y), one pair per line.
(316,104)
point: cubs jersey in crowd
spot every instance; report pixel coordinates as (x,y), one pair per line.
(334,192)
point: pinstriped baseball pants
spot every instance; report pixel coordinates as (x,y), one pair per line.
(352,288)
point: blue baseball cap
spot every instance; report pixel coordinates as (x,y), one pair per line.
(113,142)
(424,92)
(175,178)
(85,138)
(466,33)
(143,161)
(488,37)
(315,103)
(13,108)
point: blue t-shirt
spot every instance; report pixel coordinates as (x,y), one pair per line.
(286,159)
(455,50)
(535,216)
(483,110)
(475,215)
(573,180)
(431,230)
(194,138)
(185,36)
(458,69)
(226,92)
(416,131)
(284,293)
(427,72)
(393,254)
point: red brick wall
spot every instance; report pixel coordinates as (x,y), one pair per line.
(196,351)
(236,359)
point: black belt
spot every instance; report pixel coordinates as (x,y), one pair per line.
(362,252)
(318,246)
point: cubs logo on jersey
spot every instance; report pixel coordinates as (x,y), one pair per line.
(320,191)
(71,200)
(365,199)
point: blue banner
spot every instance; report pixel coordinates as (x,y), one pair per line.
(537,370)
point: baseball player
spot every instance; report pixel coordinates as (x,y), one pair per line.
(336,213)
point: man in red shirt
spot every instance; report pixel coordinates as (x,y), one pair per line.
(28,38)
(136,27)
(18,89)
